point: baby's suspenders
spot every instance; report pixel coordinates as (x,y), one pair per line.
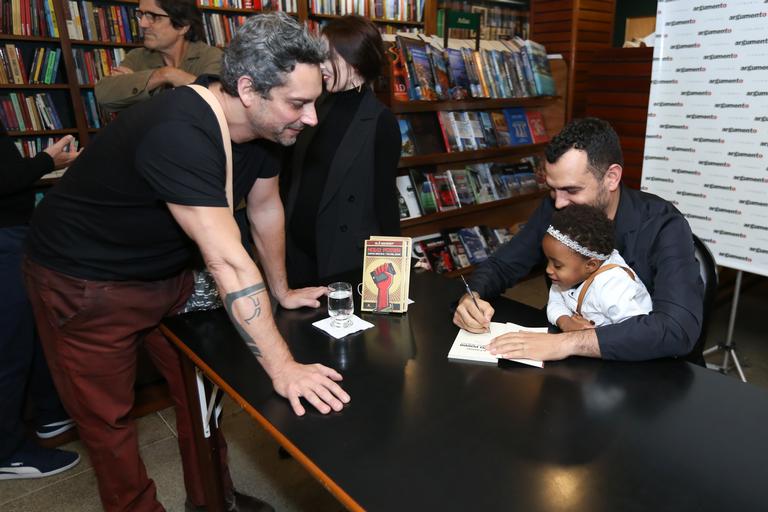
(591,278)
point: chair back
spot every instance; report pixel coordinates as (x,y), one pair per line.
(708,272)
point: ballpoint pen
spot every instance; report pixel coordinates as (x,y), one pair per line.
(472,295)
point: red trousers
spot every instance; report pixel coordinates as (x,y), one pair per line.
(90,331)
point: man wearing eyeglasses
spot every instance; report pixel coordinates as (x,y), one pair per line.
(173,55)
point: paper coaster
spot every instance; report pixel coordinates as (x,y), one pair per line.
(358,324)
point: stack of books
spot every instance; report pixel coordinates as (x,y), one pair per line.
(29,113)
(497,21)
(422,192)
(43,68)
(28,18)
(91,65)
(85,21)
(470,130)
(459,248)
(423,70)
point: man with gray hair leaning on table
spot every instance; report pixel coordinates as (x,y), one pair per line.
(584,166)
(110,246)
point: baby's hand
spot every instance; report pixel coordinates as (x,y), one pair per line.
(574,323)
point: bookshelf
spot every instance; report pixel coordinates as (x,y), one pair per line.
(70,35)
(415,15)
(504,212)
(498,18)
(68,90)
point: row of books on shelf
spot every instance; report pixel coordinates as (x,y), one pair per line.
(109,22)
(290,6)
(423,70)
(94,116)
(31,146)
(496,21)
(93,64)
(469,130)
(315,26)
(219,29)
(396,10)
(421,192)
(28,18)
(459,248)
(33,112)
(42,69)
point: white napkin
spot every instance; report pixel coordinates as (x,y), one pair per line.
(358,324)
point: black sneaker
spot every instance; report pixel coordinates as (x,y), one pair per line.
(50,430)
(32,461)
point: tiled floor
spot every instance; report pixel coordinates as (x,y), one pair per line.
(256,466)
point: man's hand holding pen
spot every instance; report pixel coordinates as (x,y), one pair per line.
(473,314)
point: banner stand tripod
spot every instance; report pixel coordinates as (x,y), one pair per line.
(729,347)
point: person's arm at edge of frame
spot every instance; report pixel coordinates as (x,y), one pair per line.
(247,303)
(20,173)
(673,326)
(503,269)
(266,217)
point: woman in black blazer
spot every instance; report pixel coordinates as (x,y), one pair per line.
(339,181)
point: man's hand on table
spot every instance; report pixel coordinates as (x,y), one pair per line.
(313,382)
(545,346)
(301,297)
(470,318)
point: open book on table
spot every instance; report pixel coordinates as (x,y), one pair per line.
(471,347)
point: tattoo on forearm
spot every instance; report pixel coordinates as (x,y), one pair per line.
(250,293)
(256,309)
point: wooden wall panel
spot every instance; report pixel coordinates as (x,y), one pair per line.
(618,86)
(576,29)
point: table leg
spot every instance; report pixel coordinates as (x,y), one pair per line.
(207,450)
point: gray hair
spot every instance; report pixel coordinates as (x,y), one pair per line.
(265,49)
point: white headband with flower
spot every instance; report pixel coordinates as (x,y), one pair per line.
(576,246)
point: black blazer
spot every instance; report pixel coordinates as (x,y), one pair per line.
(346,214)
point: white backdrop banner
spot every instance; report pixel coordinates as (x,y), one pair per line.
(706,147)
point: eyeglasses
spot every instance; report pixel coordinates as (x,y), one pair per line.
(152,17)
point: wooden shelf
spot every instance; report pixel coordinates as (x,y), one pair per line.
(473,208)
(86,86)
(34,86)
(35,133)
(402,107)
(383,21)
(511,3)
(469,156)
(84,42)
(234,10)
(30,39)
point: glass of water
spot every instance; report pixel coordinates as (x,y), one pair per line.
(340,305)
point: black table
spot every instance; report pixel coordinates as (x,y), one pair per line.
(426,433)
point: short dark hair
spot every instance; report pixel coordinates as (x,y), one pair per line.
(266,49)
(587,225)
(357,41)
(592,135)
(184,13)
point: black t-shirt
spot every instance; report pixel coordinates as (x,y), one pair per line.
(107,219)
